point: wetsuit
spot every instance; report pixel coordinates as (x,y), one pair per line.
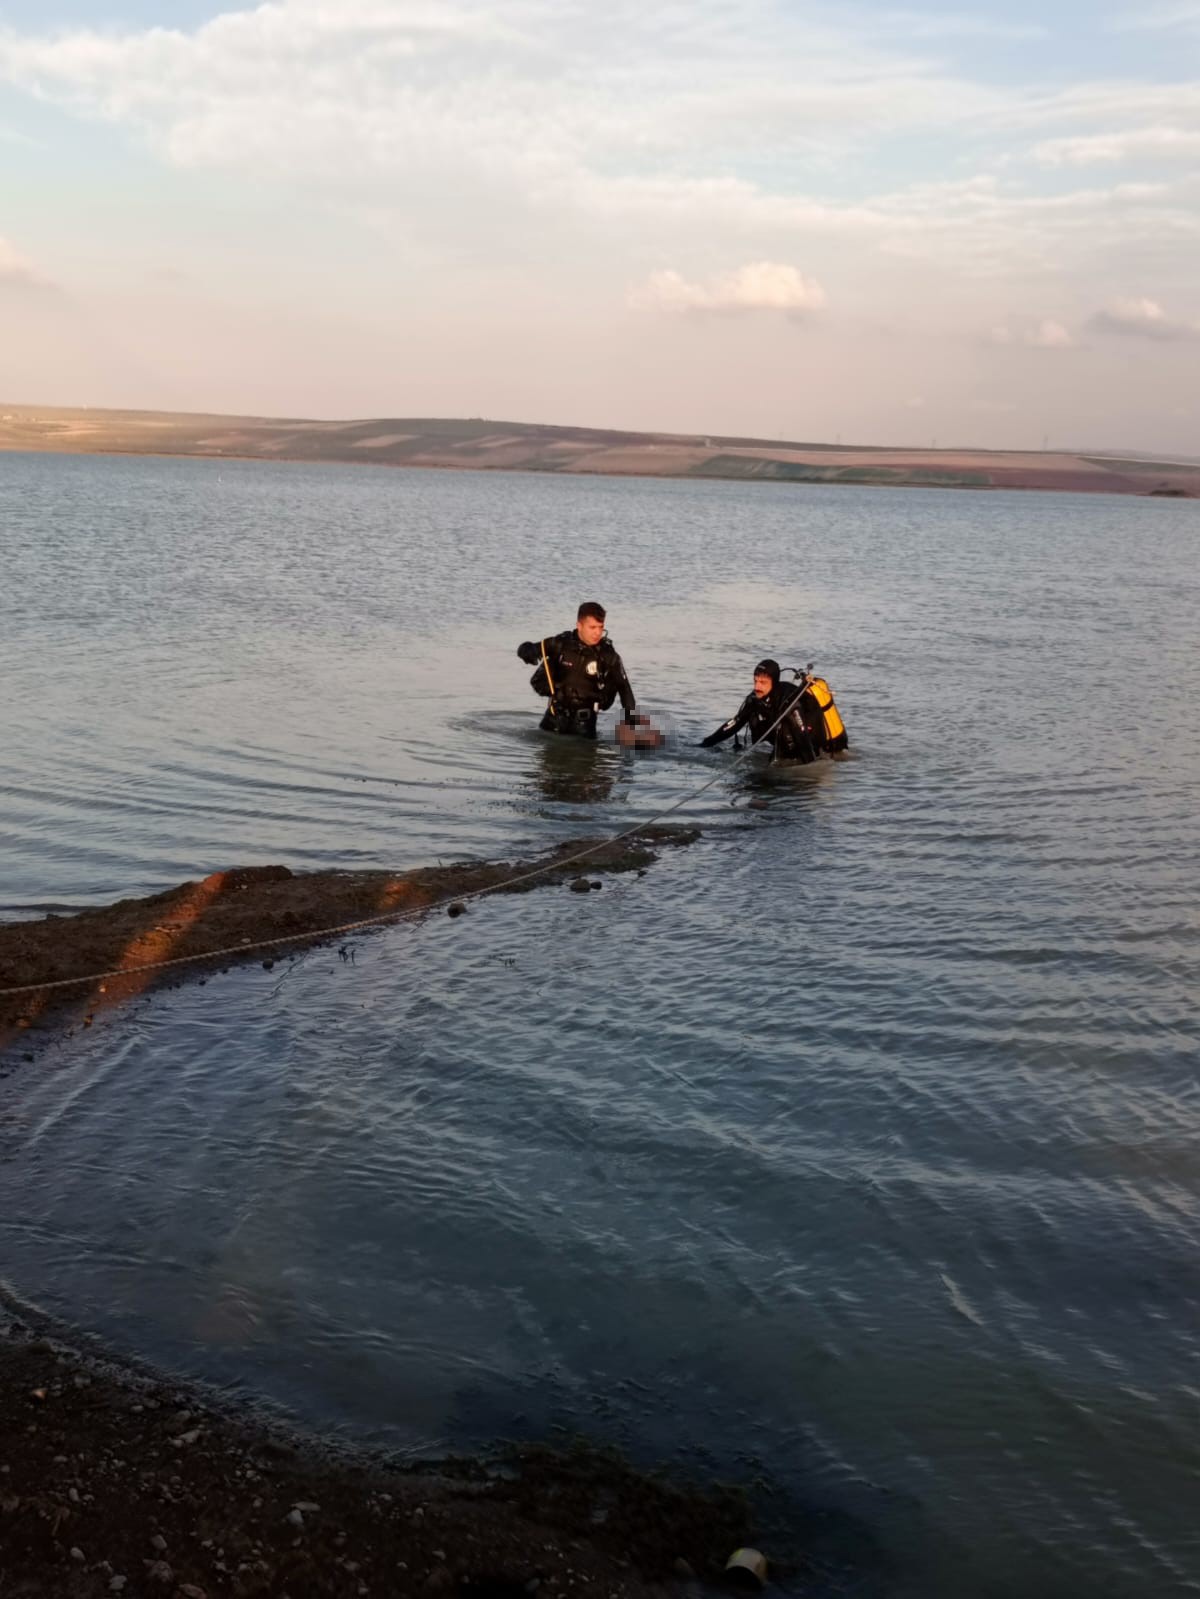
(584,679)
(799,737)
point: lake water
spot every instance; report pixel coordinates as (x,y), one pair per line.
(853,1148)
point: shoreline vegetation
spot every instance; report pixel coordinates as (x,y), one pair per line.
(118,1479)
(482,445)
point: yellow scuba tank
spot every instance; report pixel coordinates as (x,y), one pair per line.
(835,729)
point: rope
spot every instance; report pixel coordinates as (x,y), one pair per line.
(316,935)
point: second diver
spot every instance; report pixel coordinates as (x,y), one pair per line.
(810,725)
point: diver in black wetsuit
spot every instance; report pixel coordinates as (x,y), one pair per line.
(580,672)
(800,736)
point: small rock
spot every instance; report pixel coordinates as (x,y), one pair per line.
(189,1590)
(186,1438)
(457,909)
(579,885)
(159,1542)
(595,883)
(117,1584)
(439,1580)
(77,1554)
(159,1571)
(305,1505)
(682,1568)
(295,1517)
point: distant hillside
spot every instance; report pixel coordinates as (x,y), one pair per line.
(477,444)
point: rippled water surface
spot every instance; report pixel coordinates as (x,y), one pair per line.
(854,1147)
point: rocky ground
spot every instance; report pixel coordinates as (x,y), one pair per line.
(116,1482)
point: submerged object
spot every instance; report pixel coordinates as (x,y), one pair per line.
(639,733)
(747,1568)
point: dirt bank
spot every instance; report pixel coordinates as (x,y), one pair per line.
(116,1482)
(263,913)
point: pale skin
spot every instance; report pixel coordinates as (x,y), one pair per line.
(590,629)
(762,685)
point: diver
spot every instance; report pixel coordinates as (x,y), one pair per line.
(810,726)
(580,673)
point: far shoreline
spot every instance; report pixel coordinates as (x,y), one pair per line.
(553,450)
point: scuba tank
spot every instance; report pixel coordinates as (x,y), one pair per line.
(836,737)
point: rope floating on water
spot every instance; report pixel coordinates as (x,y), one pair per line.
(318,934)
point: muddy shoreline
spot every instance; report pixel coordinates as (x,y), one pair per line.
(266,913)
(115,1479)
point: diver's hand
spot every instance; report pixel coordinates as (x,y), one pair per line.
(531,654)
(632,719)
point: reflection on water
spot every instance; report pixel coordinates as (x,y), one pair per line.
(853,1147)
(575,771)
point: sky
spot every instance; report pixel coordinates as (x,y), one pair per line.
(963,224)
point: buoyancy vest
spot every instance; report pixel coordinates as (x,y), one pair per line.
(578,673)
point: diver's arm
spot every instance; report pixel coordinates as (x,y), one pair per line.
(729,728)
(625,690)
(533,652)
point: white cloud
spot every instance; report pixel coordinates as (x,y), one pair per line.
(1133,144)
(758,286)
(1184,14)
(948,25)
(1042,335)
(1050,335)
(16,270)
(1143,319)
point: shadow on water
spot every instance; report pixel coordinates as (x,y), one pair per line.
(759,783)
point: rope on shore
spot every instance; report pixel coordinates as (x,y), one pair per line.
(319,934)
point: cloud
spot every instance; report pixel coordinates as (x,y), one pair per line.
(17,272)
(1134,144)
(948,25)
(473,123)
(1044,335)
(1142,319)
(758,286)
(1184,14)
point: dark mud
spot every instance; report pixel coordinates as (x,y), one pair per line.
(264,913)
(113,1480)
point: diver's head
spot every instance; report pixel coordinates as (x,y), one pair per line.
(766,678)
(589,622)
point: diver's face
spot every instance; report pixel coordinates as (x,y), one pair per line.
(590,629)
(762,685)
